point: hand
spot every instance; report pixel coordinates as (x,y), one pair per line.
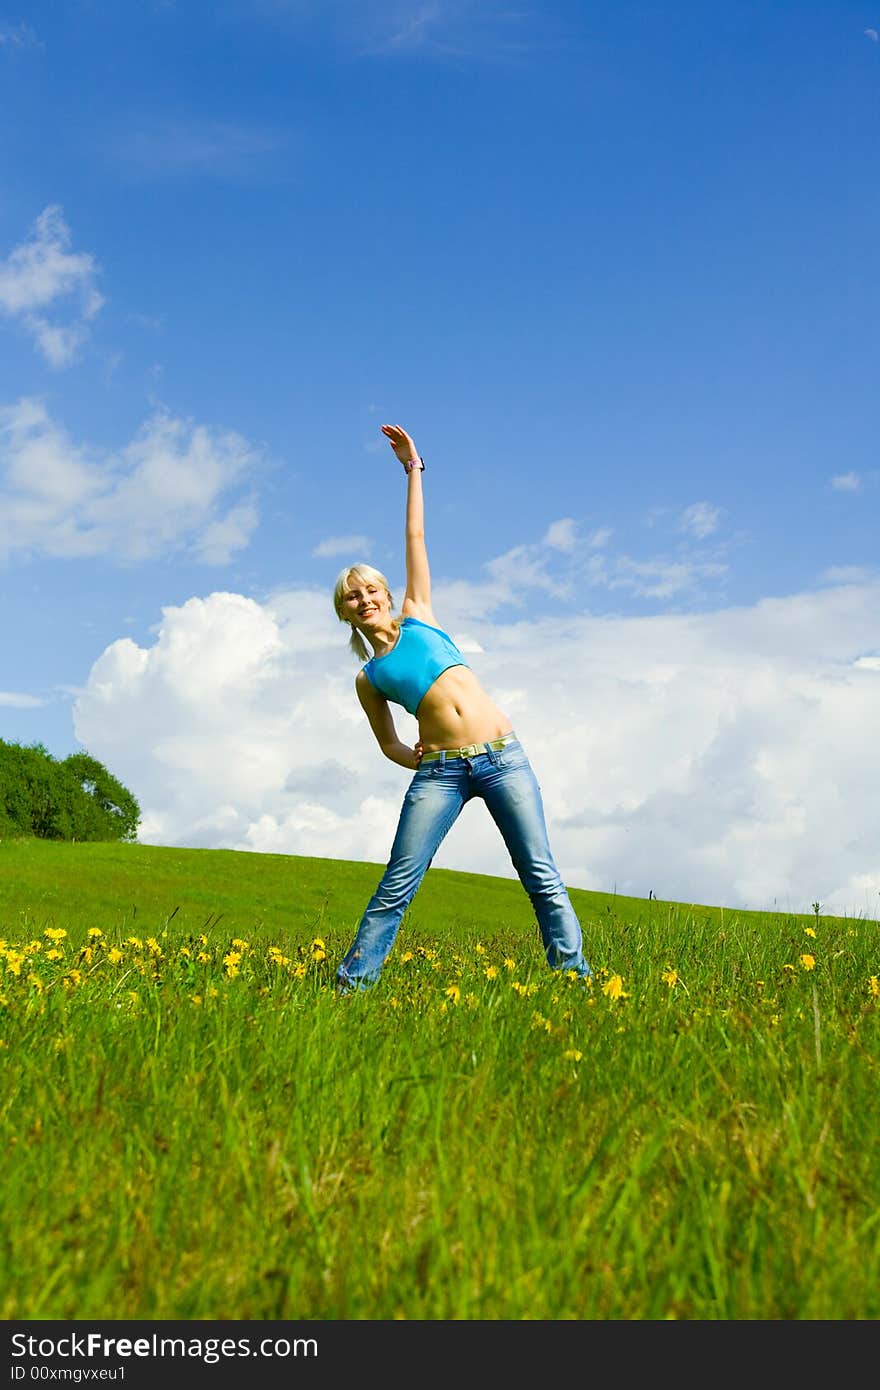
(401,443)
(419,750)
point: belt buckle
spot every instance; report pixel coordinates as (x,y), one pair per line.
(470,752)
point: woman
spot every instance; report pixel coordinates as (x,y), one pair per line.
(466,748)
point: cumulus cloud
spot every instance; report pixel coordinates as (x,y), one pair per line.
(16,700)
(343,546)
(42,272)
(728,757)
(700,520)
(846,482)
(165,491)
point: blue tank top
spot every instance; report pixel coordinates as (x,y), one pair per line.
(407,672)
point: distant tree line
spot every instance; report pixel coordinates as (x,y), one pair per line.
(73,798)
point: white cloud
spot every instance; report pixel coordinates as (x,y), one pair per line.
(165,491)
(176,147)
(729,757)
(15,700)
(343,545)
(19,35)
(846,482)
(39,273)
(700,520)
(561,535)
(438,29)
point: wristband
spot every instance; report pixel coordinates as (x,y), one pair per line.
(414,463)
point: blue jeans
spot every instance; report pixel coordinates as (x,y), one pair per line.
(438,791)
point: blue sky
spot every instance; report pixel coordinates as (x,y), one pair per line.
(615,269)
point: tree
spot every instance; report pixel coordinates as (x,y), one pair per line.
(74,799)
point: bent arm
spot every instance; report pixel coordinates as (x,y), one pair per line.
(375,707)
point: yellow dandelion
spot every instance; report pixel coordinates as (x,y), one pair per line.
(874,986)
(153,946)
(807,961)
(203,957)
(134,941)
(614,988)
(185,952)
(95,932)
(809,931)
(238,944)
(491,972)
(453,992)
(230,960)
(55,933)
(114,955)
(232,971)
(509,963)
(789,967)
(54,954)
(196,999)
(480,949)
(670,977)
(318,944)
(407,956)
(13,962)
(299,970)
(211,992)
(573,1054)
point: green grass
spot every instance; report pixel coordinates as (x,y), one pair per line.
(195,1126)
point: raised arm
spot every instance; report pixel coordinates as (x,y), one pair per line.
(417,599)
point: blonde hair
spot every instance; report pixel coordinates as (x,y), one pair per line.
(367,575)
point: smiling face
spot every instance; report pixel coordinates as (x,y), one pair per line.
(363,600)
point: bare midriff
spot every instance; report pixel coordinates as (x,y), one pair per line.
(456,711)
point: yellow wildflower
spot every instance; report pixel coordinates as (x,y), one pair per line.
(573,1054)
(614,988)
(114,955)
(134,941)
(670,977)
(491,972)
(54,954)
(808,962)
(238,944)
(95,932)
(453,992)
(480,949)
(55,933)
(874,986)
(508,963)
(407,956)
(809,931)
